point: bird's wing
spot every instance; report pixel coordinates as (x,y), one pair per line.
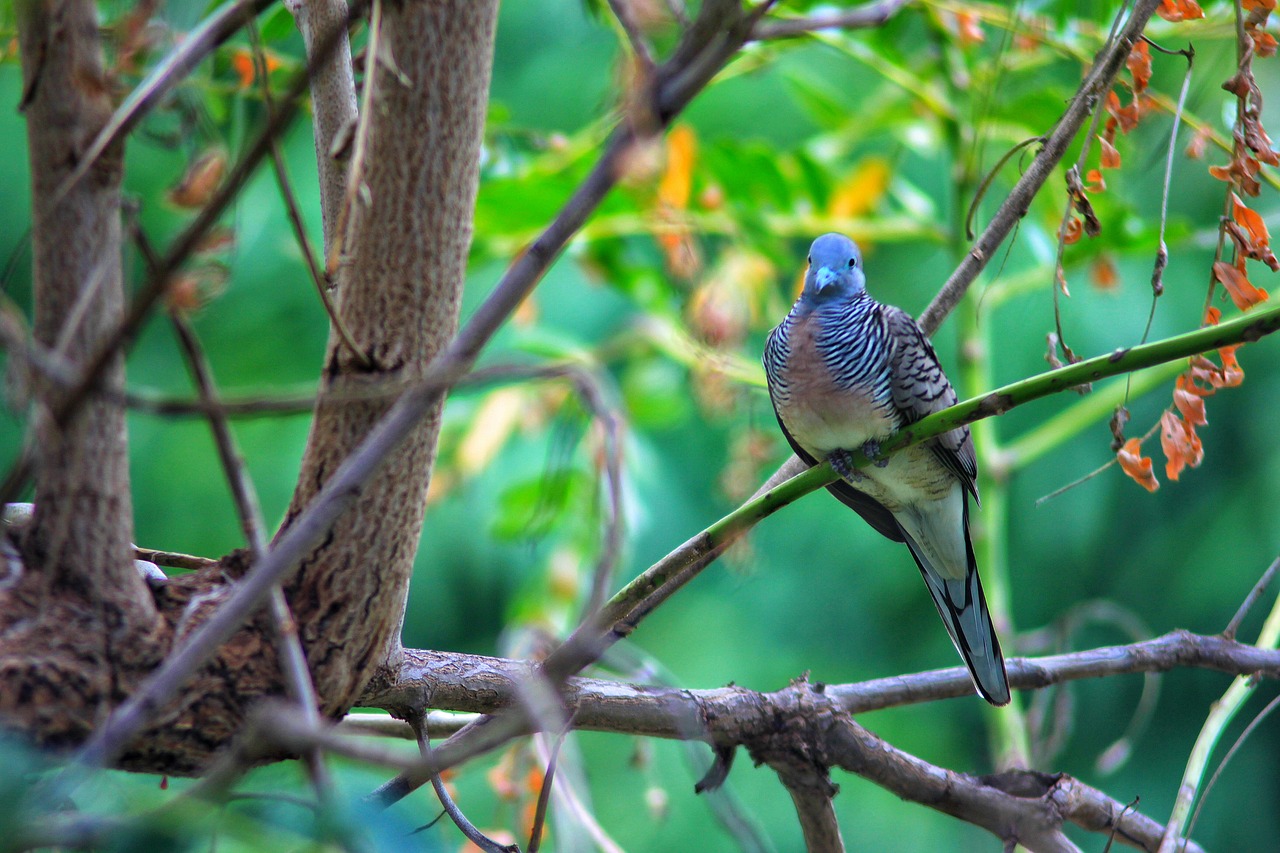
(920,388)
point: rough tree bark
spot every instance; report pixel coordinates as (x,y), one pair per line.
(97,625)
(398,291)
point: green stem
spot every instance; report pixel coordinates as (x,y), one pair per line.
(1052,433)
(619,617)
(1010,737)
(1221,713)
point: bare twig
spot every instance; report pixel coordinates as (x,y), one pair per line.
(1162,250)
(295,213)
(1091,91)
(639,47)
(1252,598)
(333,97)
(344,224)
(169,72)
(544,793)
(478,684)
(860,18)
(474,835)
(173,559)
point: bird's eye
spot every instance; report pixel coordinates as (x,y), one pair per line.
(853,262)
(809,260)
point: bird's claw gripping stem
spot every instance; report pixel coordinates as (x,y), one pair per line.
(842,464)
(871,448)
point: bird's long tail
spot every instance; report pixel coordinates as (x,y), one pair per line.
(963,609)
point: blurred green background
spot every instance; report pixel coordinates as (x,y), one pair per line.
(883,134)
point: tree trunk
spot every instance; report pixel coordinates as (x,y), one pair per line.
(78,628)
(95,617)
(398,292)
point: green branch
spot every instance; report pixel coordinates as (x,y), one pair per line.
(620,616)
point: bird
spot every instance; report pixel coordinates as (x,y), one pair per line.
(845,372)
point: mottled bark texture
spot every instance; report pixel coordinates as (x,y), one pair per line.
(78,614)
(398,293)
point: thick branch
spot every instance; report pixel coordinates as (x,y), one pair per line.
(458,682)
(801,730)
(398,293)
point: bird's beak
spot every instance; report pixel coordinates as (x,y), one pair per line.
(824,276)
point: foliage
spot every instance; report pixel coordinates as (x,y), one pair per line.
(888,135)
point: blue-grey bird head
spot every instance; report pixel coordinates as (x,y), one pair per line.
(835,269)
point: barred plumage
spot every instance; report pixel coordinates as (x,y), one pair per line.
(845,372)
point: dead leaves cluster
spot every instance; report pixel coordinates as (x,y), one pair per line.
(1249,241)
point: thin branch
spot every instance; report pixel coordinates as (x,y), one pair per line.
(195,46)
(333,99)
(172,559)
(438,724)
(622,11)
(544,793)
(1162,250)
(1091,91)
(294,213)
(486,685)
(474,835)
(344,225)
(293,659)
(861,18)
(1251,599)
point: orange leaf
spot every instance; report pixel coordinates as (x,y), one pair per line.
(1264,44)
(1251,220)
(1074,229)
(1139,63)
(1110,156)
(1198,143)
(200,180)
(1212,315)
(1203,377)
(244,66)
(1094,181)
(1232,372)
(677,177)
(1182,447)
(1136,465)
(1188,403)
(1180,10)
(1242,291)
(969,29)
(1260,5)
(1104,273)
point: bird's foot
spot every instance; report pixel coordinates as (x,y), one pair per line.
(871,448)
(842,463)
